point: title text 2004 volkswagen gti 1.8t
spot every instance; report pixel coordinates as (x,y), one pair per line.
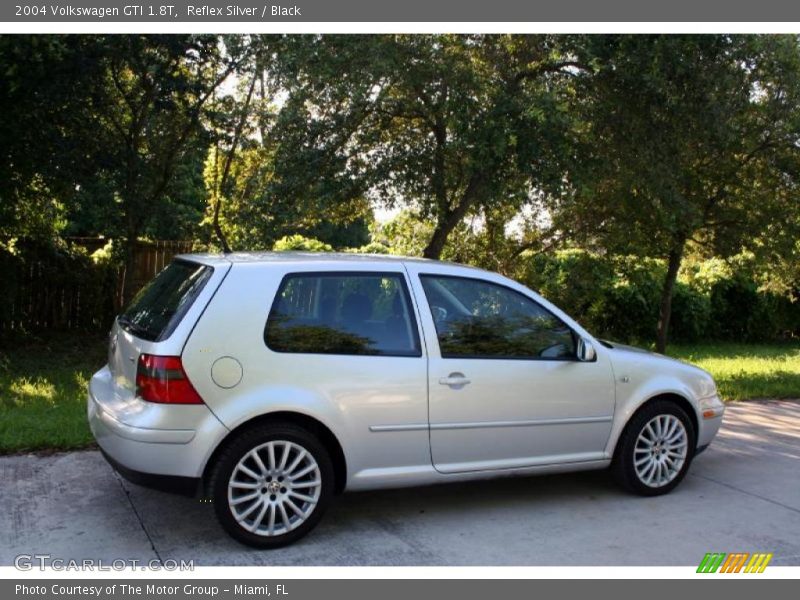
(270,382)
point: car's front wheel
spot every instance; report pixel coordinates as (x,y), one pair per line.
(271,485)
(655,450)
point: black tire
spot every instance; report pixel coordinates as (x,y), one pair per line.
(237,449)
(623,468)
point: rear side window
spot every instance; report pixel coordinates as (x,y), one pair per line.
(343,313)
(160,305)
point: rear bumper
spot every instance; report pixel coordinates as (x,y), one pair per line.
(185,486)
(147,435)
(148,442)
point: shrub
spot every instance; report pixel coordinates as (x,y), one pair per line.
(371,248)
(298,242)
(575,280)
(618,297)
(691,314)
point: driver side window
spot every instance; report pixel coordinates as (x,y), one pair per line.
(478,319)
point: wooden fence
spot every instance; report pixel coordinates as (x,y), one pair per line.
(61,289)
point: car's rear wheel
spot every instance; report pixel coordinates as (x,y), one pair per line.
(655,450)
(271,485)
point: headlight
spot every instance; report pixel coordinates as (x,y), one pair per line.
(707,388)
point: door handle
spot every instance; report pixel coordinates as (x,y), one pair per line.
(454,380)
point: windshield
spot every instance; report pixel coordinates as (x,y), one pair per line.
(160,305)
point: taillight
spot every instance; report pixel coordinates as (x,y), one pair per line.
(162,379)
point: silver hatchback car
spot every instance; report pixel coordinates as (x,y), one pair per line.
(269,382)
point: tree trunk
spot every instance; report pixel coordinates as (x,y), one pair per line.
(665,310)
(436,244)
(129,267)
(448,221)
(237,134)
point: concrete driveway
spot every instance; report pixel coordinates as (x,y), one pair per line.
(742,495)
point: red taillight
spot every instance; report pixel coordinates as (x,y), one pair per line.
(162,379)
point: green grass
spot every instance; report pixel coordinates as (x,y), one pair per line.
(43,383)
(747,371)
(43,391)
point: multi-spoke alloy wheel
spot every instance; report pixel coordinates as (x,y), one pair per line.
(274,488)
(271,485)
(660,450)
(655,449)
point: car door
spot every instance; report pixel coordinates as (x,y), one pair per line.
(505,387)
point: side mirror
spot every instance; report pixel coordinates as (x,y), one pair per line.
(586,352)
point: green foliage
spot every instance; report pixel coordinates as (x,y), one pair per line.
(692,316)
(371,248)
(109,255)
(618,298)
(104,135)
(346,231)
(686,137)
(43,128)
(300,243)
(406,234)
(448,123)
(570,279)
(745,303)
(684,140)
(253,216)
(240,218)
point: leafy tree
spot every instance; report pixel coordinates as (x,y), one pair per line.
(246,206)
(686,141)
(104,131)
(149,110)
(446,123)
(254,217)
(45,85)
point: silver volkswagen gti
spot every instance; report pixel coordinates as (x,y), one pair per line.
(269,382)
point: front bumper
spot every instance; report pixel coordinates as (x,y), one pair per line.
(142,439)
(711,411)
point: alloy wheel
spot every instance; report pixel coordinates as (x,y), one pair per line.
(660,451)
(274,488)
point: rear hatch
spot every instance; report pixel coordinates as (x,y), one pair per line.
(160,318)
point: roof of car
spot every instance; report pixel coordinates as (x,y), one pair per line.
(319,257)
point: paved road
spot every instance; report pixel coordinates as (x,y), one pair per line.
(743,494)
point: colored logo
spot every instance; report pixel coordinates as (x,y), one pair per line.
(737,562)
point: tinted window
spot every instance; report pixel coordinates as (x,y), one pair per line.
(160,305)
(478,319)
(335,313)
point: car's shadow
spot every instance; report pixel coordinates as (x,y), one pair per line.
(388,527)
